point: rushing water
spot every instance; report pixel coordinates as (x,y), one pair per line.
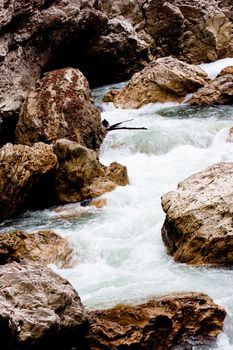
(120,256)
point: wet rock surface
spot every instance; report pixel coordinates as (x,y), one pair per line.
(44,247)
(31,33)
(81,176)
(61,106)
(21,167)
(198,225)
(217,92)
(195,31)
(163,80)
(38,309)
(115,37)
(230,135)
(162,323)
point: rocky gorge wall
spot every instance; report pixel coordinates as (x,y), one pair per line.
(107,40)
(59,133)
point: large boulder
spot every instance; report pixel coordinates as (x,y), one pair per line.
(118,53)
(107,40)
(217,92)
(162,323)
(165,79)
(198,225)
(32,32)
(21,167)
(44,247)
(81,176)
(61,107)
(38,309)
(193,30)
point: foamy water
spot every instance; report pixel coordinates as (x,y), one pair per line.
(119,251)
(212,69)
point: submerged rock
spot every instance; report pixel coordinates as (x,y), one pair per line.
(230,135)
(161,323)
(198,225)
(61,107)
(163,80)
(217,92)
(80,175)
(45,247)
(21,167)
(38,309)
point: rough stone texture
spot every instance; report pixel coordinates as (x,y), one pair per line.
(165,79)
(80,175)
(217,92)
(198,226)
(38,309)
(31,33)
(44,247)
(230,135)
(117,53)
(21,167)
(115,38)
(61,106)
(193,30)
(160,324)
(226,70)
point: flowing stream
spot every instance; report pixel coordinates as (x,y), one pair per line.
(120,256)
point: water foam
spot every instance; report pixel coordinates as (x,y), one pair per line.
(119,251)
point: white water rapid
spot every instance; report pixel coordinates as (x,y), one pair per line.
(119,250)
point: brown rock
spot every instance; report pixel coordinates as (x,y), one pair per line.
(160,324)
(32,33)
(217,92)
(81,176)
(99,202)
(45,247)
(230,135)
(193,30)
(21,168)
(38,309)
(61,106)
(73,211)
(224,71)
(107,40)
(119,52)
(198,226)
(166,79)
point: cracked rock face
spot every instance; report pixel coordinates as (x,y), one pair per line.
(198,226)
(80,175)
(44,247)
(193,30)
(21,167)
(38,309)
(217,92)
(162,323)
(61,107)
(31,31)
(107,40)
(163,80)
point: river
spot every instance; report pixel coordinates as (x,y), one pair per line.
(120,256)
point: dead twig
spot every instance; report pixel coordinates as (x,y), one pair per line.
(117,126)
